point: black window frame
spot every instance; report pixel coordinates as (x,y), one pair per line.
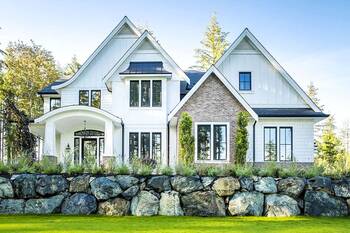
(91,92)
(148,101)
(137,145)
(153,94)
(275,128)
(143,145)
(151,101)
(138,94)
(54,98)
(160,145)
(291,145)
(215,144)
(244,81)
(88,97)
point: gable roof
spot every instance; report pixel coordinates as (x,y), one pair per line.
(145,35)
(247,34)
(220,76)
(120,25)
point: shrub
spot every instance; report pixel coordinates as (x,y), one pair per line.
(167,171)
(121,170)
(241,145)
(185,170)
(145,170)
(243,170)
(291,170)
(186,139)
(47,166)
(22,164)
(89,162)
(75,169)
(4,168)
(312,171)
(209,170)
(269,169)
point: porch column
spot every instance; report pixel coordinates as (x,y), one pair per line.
(50,139)
(109,130)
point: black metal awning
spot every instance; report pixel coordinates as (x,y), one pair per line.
(288,112)
(153,67)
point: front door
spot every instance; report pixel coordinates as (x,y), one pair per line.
(89,149)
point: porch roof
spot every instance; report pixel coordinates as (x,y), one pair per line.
(149,67)
(288,112)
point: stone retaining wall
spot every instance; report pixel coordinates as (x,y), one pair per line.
(173,195)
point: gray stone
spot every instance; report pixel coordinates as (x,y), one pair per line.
(226,186)
(126,181)
(144,204)
(266,185)
(6,190)
(79,203)
(24,185)
(292,186)
(44,206)
(11,206)
(207,181)
(103,188)
(186,184)
(280,206)
(116,207)
(131,192)
(50,185)
(320,183)
(342,188)
(319,203)
(170,204)
(80,184)
(159,183)
(203,204)
(247,183)
(247,204)
(348,202)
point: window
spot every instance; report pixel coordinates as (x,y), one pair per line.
(212,141)
(84,97)
(145,145)
(133,145)
(270,143)
(96,98)
(101,148)
(156,146)
(145,93)
(245,81)
(286,143)
(55,103)
(76,150)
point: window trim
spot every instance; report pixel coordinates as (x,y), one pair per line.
(150,144)
(90,100)
(151,94)
(211,160)
(54,98)
(80,91)
(276,146)
(239,81)
(292,142)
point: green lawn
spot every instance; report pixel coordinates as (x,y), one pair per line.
(98,224)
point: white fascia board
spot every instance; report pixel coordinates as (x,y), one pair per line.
(124,21)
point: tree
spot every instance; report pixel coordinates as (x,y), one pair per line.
(72,67)
(186,139)
(345,135)
(213,45)
(241,138)
(312,91)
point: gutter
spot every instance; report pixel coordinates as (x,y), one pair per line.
(254,143)
(123,129)
(168,149)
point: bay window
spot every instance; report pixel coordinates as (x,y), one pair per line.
(145,93)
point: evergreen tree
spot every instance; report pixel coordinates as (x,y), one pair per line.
(72,67)
(186,139)
(312,91)
(241,138)
(213,45)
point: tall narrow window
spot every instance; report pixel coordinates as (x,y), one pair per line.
(55,103)
(220,142)
(203,142)
(156,93)
(133,145)
(270,143)
(101,148)
(145,93)
(245,81)
(145,146)
(134,93)
(156,146)
(76,150)
(96,98)
(286,143)
(84,97)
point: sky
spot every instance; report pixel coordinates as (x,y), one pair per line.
(310,39)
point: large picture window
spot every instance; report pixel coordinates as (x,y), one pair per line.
(145,145)
(270,143)
(245,81)
(84,97)
(286,143)
(96,98)
(145,93)
(55,103)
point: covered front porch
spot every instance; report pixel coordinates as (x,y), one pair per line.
(80,133)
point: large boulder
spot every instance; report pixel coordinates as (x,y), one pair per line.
(104,188)
(186,184)
(6,190)
(126,181)
(319,203)
(159,183)
(170,204)
(50,185)
(320,183)
(247,204)
(79,203)
(11,206)
(24,185)
(342,188)
(226,186)
(116,206)
(280,206)
(292,186)
(205,203)
(44,205)
(80,184)
(265,185)
(247,183)
(207,181)
(145,204)
(131,192)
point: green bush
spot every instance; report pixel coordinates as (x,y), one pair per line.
(121,170)
(47,166)
(242,144)
(312,171)
(290,170)
(4,168)
(185,170)
(269,169)
(145,170)
(167,171)
(22,164)
(209,170)
(186,139)
(243,170)
(75,169)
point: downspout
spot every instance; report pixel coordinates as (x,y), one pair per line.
(168,149)
(254,142)
(122,123)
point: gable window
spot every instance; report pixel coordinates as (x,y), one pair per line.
(211,141)
(245,81)
(96,98)
(270,143)
(84,97)
(145,93)
(145,145)
(286,143)
(55,103)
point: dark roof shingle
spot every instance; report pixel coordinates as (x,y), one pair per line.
(48,89)
(154,67)
(288,112)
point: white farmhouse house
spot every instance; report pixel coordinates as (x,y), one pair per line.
(126,99)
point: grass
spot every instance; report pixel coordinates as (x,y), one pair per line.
(102,224)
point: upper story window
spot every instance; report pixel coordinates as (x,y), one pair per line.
(245,81)
(94,100)
(84,97)
(55,103)
(145,93)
